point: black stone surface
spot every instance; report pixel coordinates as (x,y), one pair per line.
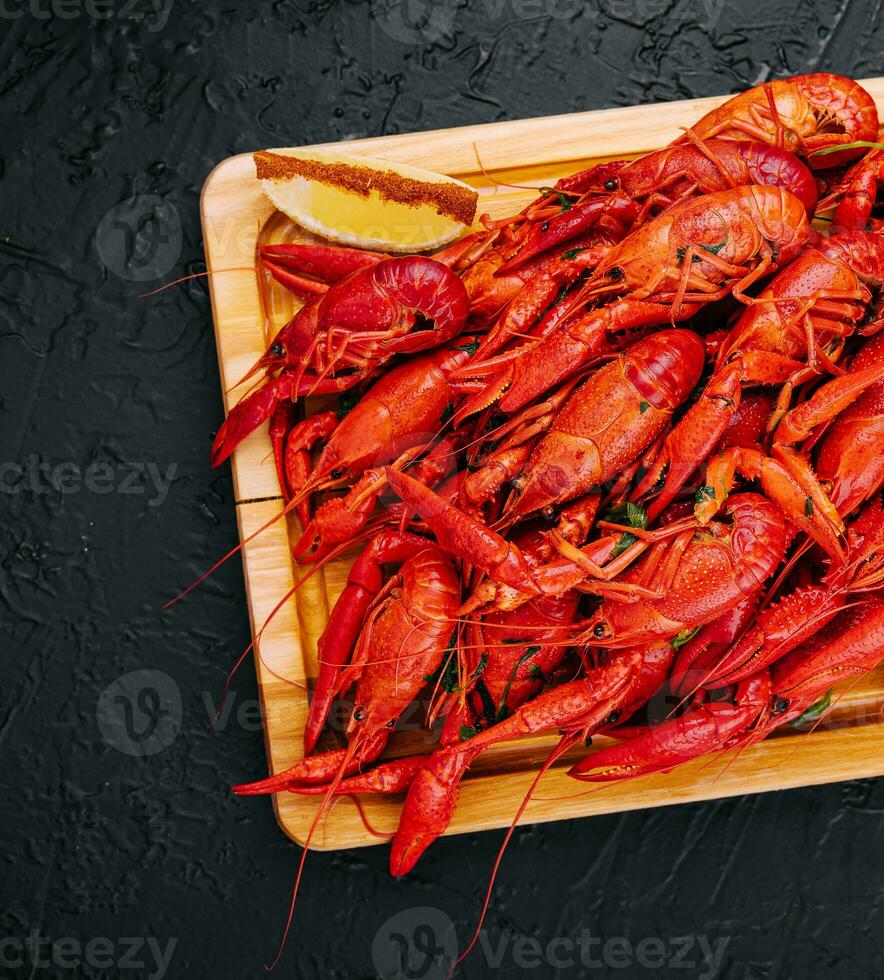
(103,106)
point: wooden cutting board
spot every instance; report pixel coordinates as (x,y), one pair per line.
(534,152)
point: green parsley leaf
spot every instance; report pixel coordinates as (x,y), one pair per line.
(501,706)
(636,515)
(447,673)
(626,541)
(814,711)
(683,637)
(858,144)
(631,514)
(480,667)
(471,347)
(564,203)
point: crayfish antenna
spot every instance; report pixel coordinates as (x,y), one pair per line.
(296,499)
(259,365)
(320,810)
(193,275)
(565,743)
(494,180)
(270,616)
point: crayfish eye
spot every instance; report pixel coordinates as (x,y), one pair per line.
(277,349)
(391,723)
(338,473)
(612,718)
(615,273)
(600,630)
(780,705)
(358,714)
(610,184)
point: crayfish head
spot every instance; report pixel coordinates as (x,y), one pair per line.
(275,357)
(335,466)
(610,279)
(369,719)
(292,342)
(624,269)
(599,631)
(352,449)
(272,361)
(371,435)
(779,711)
(332,524)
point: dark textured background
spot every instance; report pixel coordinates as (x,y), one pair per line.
(100,843)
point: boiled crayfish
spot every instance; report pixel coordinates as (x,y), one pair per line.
(628,441)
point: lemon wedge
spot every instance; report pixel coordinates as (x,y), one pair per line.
(367,202)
